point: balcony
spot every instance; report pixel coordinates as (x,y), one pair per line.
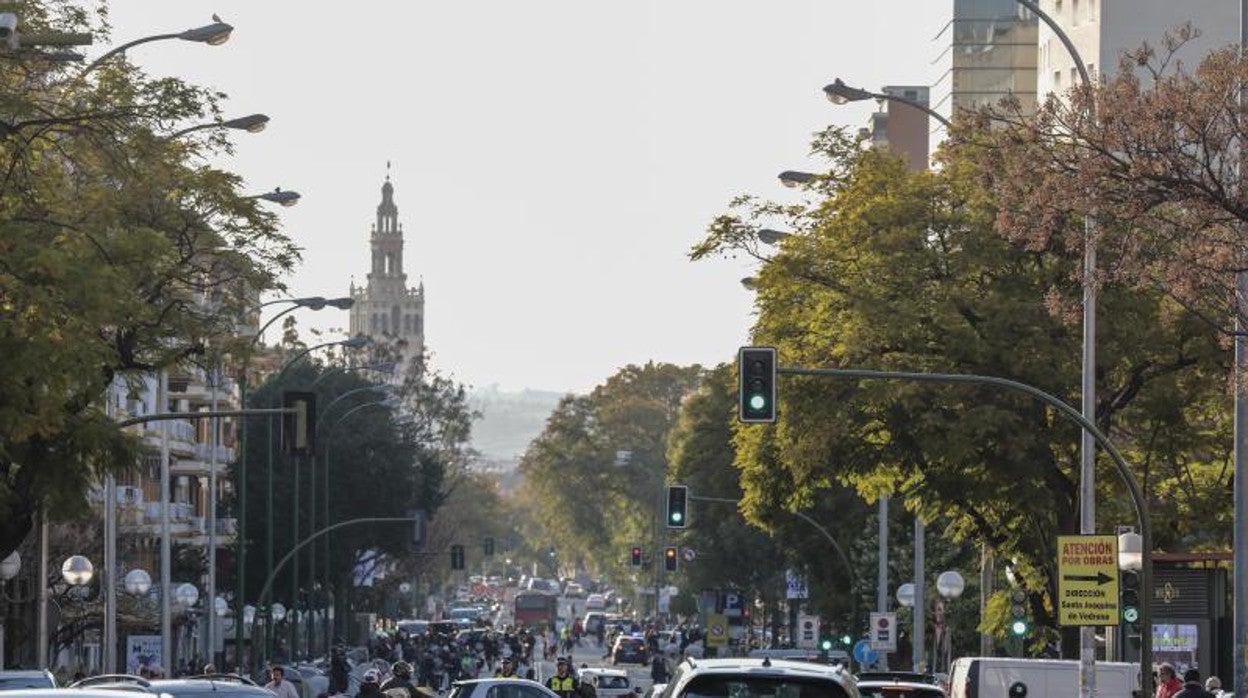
(224,454)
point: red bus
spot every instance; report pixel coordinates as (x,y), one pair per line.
(536,608)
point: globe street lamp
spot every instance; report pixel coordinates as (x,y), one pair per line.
(950,586)
(8,570)
(77,571)
(137,582)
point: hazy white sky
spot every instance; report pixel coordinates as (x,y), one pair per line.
(553,160)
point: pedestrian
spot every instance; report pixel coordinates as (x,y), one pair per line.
(399,685)
(507,670)
(371,685)
(658,668)
(210,669)
(1168,683)
(278,684)
(1192,687)
(1214,685)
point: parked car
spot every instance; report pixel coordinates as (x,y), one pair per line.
(759,677)
(214,686)
(35,678)
(629,649)
(979,677)
(499,688)
(608,683)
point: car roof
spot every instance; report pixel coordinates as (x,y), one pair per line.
(603,671)
(61,693)
(763,666)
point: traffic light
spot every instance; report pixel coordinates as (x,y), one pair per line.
(847,640)
(1129,593)
(670,558)
(757,395)
(1019,626)
(825,644)
(489,547)
(299,427)
(677,506)
(635,561)
(457,557)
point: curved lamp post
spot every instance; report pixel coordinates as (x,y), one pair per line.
(213,34)
(794,179)
(252,123)
(839,93)
(279,196)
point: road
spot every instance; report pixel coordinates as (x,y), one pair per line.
(589,653)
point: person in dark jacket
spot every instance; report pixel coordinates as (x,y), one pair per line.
(1192,687)
(371,686)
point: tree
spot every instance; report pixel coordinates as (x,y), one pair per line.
(904,271)
(593,501)
(120,253)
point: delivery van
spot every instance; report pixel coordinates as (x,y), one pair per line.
(997,677)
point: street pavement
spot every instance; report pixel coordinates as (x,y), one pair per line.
(588,652)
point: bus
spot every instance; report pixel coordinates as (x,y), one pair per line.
(536,608)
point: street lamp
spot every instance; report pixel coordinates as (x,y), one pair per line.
(77,571)
(137,582)
(772,237)
(279,196)
(794,179)
(905,595)
(213,34)
(252,123)
(950,586)
(840,93)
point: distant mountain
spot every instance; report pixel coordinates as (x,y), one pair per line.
(509,420)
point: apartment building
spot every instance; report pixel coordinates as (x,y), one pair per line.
(1103,31)
(987,52)
(901,128)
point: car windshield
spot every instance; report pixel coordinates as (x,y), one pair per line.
(13,683)
(631,644)
(613,682)
(900,692)
(737,686)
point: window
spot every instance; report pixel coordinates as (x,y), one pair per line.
(738,686)
(1074,13)
(513,690)
(1057,79)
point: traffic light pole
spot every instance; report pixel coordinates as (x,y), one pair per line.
(1089,428)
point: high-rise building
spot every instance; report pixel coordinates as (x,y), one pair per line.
(386,308)
(902,128)
(1103,31)
(988,52)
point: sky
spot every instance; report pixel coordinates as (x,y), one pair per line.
(553,160)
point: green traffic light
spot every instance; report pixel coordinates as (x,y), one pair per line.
(825,644)
(846,640)
(758,403)
(1019,627)
(677,517)
(1131,614)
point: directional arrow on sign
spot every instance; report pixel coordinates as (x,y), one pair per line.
(1100,578)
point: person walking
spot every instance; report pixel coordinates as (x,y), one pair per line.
(278,684)
(658,668)
(1214,685)
(507,670)
(399,685)
(371,685)
(1192,687)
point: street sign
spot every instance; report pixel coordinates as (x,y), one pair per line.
(864,655)
(1087,580)
(716,630)
(733,604)
(689,554)
(808,632)
(796,584)
(884,632)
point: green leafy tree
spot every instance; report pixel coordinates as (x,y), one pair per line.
(591,503)
(120,253)
(897,270)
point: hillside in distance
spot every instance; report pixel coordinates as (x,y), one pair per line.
(509,420)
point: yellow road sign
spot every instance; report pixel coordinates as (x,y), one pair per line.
(716,630)
(1087,580)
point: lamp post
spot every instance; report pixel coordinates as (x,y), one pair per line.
(312,303)
(8,570)
(213,34)
(280,196)
(354,342)
(252,123)
(840,93)
(950,586)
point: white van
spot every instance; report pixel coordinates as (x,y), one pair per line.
(995,677)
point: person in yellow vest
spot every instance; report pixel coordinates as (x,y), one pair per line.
(563,682)
(507,670)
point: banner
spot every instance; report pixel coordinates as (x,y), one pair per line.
(143,651)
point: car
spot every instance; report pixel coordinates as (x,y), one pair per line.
(499,688)
(898,684)
(608,683)
(23,692)
(212,686)
(595,602)
(33,678)
(655,690)
(574,590)
(412,628)
(759,677)
(629,649)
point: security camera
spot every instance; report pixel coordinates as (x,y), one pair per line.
(8,30)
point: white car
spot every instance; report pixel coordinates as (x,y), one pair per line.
(759,677)
(500,688)
(595,602)
(608,683)
(887,684)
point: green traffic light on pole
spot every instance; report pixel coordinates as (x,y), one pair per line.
(1019,628)
(825,644)
(677,506)
(756,368)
